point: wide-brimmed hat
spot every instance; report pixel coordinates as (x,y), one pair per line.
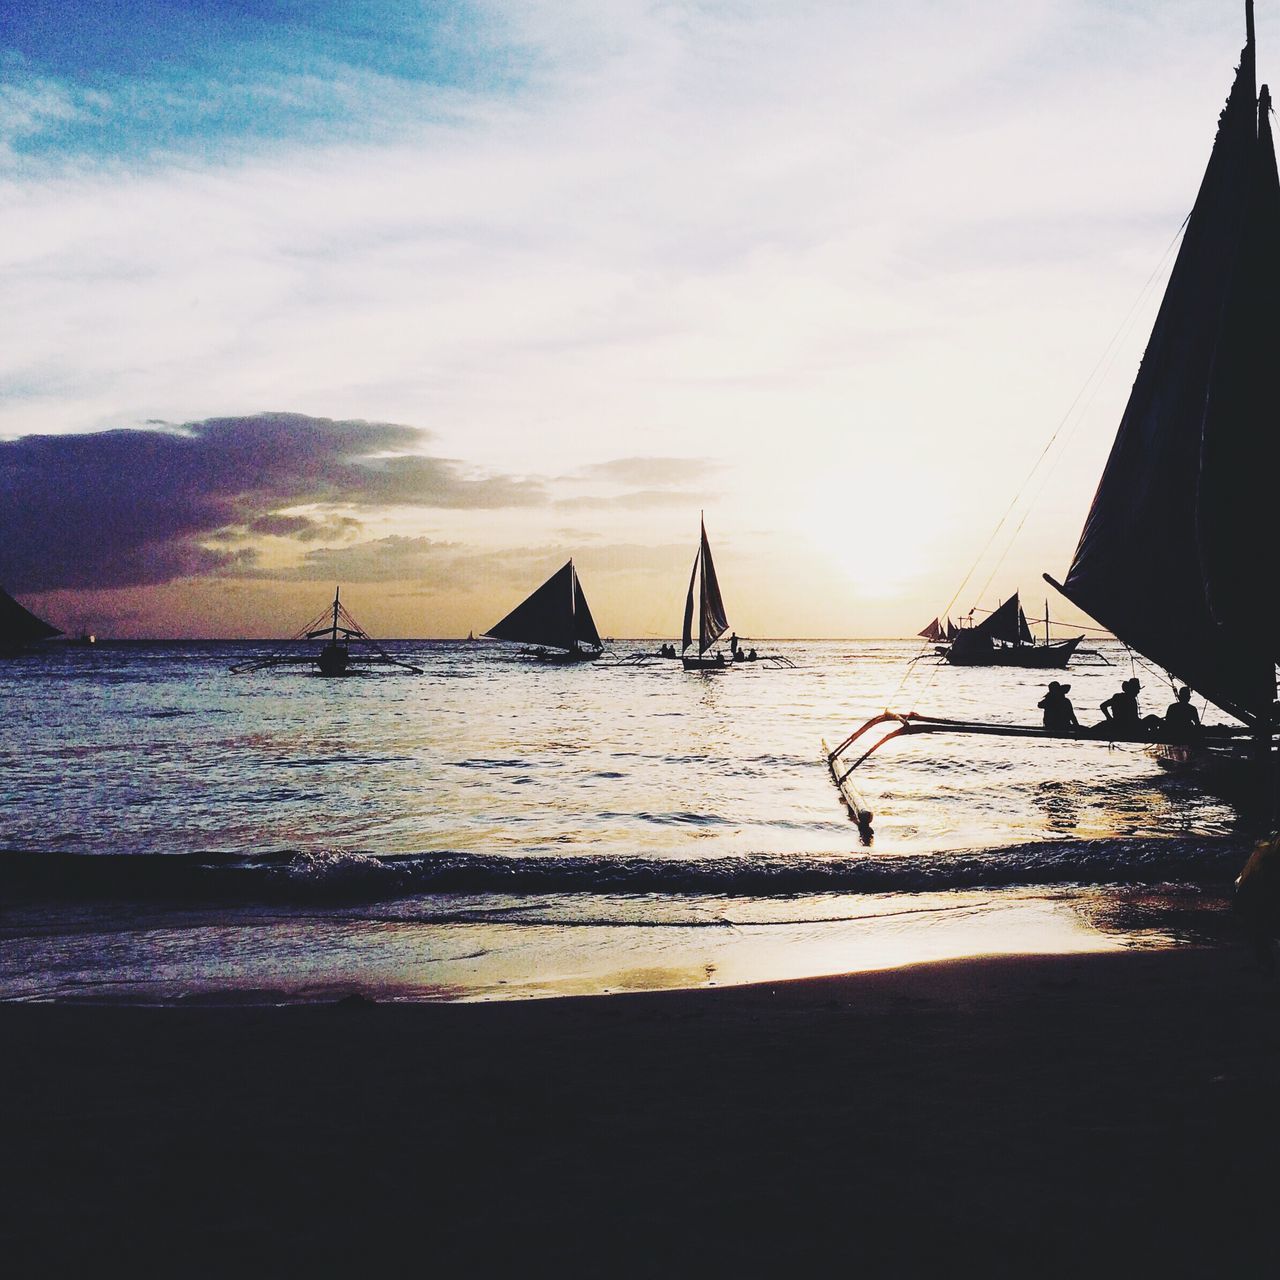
(1062,688)
(1132,683)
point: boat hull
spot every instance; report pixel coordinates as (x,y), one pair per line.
(1039,656)
(705,664)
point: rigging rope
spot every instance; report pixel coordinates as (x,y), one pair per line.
(1092,384)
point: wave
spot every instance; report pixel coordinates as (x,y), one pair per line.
(352,876)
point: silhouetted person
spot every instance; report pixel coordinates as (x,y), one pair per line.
(1121,711)
(751,657)
(1059,714)
(719,657)
(1182,720)
(733,645)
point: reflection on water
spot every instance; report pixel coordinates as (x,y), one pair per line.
(581,827)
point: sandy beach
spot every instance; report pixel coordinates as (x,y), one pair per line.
(1019,1115)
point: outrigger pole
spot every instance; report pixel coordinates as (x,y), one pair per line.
(909,722)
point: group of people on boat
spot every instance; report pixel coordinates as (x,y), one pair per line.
(736,653)
(1121,716)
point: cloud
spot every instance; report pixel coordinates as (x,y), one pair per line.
(637,500)
(124,508)
(653,472)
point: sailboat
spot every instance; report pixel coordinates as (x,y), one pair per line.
(556,619)
(934,631)
(20,628)
(348,650)
(1173,552)
(712,622)
(1003,639)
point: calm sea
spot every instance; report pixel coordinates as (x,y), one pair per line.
(496,828)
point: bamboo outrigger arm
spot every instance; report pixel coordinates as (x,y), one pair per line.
(909,722)
(914,722)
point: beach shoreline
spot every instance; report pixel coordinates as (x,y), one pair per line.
(1035,1113)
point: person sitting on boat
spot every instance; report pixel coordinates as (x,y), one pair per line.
(751,655)
(1182,720)
(1059,714)
(1121,712)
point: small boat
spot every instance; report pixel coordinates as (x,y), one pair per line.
(712,622)
(20,628)
(1003,639)
(1175,546)
(348,649)
(556,620)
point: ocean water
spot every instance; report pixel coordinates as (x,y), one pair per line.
(496,828)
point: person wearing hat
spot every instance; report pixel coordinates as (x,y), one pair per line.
(1059,714)
(1122,716)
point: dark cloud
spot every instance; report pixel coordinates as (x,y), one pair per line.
(131,507)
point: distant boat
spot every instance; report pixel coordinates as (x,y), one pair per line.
(348,649)
(712,622)
(935,631)
(555,619)
(471,637)
(20,628)
(1004,639)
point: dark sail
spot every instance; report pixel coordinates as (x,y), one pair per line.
(20,627)
(551,615)
(933,631)
(952,630)
(584,625)
(1024,631)
(686,634)
(1005,623)
(712,623)
(1178,532)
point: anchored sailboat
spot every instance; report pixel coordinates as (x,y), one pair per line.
(712,621)
(556,619)
(20,628)
(1182,524)
(348,649)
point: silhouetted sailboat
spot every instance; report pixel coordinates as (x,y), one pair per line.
(348,649)
(1175,550)
(712,622)
(20,628)
(1003,639)
(556,619)
(934,631)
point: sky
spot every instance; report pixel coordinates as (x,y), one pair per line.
(424,298)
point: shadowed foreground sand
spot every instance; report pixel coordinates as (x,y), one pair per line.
(1054,1115)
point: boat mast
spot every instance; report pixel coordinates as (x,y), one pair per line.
(702,583)
(336,592)
(1046,620)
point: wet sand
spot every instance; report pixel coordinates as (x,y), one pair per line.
(1019,1115)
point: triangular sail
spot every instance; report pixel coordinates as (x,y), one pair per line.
(952,630)
(1181,534)
(584,625)
(546,617)
(19,626)
(933,631)
(686,634)
(712,623)
(1005,623)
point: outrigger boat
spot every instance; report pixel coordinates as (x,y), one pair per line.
(336,657)
(1003,639)
(1176,539)
(556,620)
(20,628)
